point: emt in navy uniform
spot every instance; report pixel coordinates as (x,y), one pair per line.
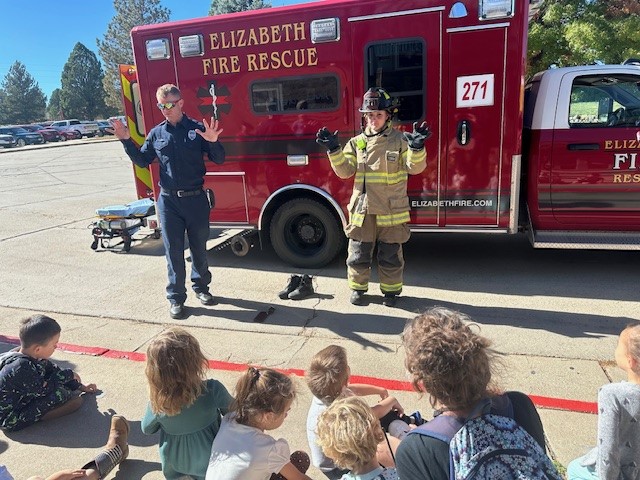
(180,144)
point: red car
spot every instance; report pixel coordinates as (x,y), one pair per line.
(67,134)
(49,134)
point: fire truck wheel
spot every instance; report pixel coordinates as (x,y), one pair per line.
(304,233)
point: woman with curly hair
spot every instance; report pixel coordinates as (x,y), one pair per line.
(453,366)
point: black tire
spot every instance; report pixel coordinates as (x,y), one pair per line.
(21,142)
(79,134)
(305,234)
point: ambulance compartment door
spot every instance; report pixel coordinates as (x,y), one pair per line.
(400,51)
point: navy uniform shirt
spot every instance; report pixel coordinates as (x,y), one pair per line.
(180,151)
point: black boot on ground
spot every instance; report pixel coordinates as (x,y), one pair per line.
(294,282)
(304,289)
(357,297)
(390,300)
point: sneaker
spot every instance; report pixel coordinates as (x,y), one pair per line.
(304,289)
(206,298)
(176,311)
(294,282)
(390,300)
(357,297)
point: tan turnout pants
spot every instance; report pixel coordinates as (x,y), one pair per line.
(362,242)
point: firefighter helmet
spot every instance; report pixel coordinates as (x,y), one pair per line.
(378,99)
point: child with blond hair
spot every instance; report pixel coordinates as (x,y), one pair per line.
(184,406)
(618,450)
(328,379)
(243,450)
(349,433)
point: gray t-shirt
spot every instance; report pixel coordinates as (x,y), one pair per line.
(318,459)
(617,455)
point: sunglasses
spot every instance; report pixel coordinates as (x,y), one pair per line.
(168,105)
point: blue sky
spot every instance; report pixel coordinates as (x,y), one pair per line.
(41,34)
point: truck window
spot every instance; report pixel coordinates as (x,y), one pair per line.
(605,101)
(291,94)
(398,67)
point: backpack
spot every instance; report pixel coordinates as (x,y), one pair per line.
(490,446)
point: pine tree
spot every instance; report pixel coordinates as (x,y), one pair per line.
(21,99)
(82,91)
(233,6)
(54,109)
(115,47)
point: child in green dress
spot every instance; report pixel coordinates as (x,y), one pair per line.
(184,406)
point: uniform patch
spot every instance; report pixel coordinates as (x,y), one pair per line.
(192,134)
(391,156)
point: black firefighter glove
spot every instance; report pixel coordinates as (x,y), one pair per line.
(418,136)
(328,140)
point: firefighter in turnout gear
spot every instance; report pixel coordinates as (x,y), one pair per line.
(381,158)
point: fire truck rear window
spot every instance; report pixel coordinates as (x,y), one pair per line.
(289,95)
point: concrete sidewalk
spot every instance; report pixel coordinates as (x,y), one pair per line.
(71,441)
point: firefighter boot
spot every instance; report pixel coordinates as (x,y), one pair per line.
(390,300)
(357,297)
(304,289)
(294,282)
(116,449)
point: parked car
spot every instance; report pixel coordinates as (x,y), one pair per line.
(67,134)
(102,126)
(49,134)
(7,141)
(23,137)
(86,129)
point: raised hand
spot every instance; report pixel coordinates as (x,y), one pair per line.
(211,130)
(327,139)
(417,138)
(119,129)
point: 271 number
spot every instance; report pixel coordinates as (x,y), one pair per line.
(470,89)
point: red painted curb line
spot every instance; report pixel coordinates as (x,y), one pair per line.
(397,385)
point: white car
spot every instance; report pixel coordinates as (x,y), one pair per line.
(85,129)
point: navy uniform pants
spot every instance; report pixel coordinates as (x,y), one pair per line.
(177,216)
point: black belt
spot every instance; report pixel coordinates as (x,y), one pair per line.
(183,193)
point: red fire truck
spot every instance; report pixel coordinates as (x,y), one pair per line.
(556,158)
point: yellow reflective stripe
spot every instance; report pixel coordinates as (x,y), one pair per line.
(419,156)
(337,159)
(357,219)
(390,288)
(382,177)
(144,175)
(358,286)
(392,219)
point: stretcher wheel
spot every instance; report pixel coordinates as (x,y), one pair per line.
(127,244)
(156,234)
(94,245)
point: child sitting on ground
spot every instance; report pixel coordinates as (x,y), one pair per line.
(618,450)
(349,433)
(32,388)
(328,379)
(242,450)
(184,406)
